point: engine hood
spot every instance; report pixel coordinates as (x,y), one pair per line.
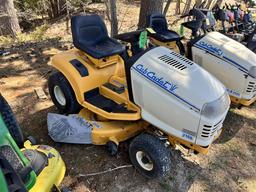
(229,50)
(179,77)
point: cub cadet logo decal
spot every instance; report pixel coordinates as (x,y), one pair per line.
(158,80)
(210,48)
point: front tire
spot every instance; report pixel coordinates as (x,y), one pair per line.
(150,156)
(11,122)
(62,94)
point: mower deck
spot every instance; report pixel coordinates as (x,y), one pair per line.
(106,130)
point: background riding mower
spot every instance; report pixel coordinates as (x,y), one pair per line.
(156,94)
(35,168)
(243,34)
(228,60)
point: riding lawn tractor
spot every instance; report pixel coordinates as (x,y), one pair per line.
(34,168)
(155,97)
(228,60)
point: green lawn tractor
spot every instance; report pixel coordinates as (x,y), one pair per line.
(34,168)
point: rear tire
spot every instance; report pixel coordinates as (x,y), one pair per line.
(150,156)
(11,122)
(62,94)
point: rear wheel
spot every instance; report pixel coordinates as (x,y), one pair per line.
(11,122)
(150,156)
(62,94)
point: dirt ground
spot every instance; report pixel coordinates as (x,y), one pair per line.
(229,166)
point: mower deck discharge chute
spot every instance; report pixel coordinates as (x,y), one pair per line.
(228,60)
(156,92)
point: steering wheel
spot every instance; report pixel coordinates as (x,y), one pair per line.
(129,37)
(133,38)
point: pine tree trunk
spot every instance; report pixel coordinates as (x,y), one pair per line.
(167,6)
(209,4)
(112,17)
(198,2)
(148,7)
(177,9)
(187,7)
(9,24)
(56,8)
(114,22)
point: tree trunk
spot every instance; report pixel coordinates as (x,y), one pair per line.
(112,17)
(148,7)
(56,8)
(187,7)
(177,10)
(9,24)
(209,4)
(167,6)
(198,2)
(218,2)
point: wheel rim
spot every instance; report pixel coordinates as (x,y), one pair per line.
(144,161)
(59,95)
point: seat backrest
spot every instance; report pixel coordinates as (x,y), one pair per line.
(157,21)
(87,30)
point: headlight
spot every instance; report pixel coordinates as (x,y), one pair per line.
(252,71)
(217,107)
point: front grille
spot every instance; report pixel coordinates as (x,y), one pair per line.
(209,130)
(176,60)
(251,87)
(11,157)
(206,131)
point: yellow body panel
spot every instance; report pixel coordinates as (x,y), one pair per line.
(100,71)
(243,101)
(171,45)
(116,131)
(80,84)
(53,173)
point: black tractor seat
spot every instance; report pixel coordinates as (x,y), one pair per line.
(90,35)
(158,22)
(193,25)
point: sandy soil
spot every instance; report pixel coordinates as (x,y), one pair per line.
(229,166)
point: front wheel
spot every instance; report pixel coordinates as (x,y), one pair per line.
(62,94)
(150,156)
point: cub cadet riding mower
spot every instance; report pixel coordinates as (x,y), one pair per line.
(156,92)
(36,168)
(229,61)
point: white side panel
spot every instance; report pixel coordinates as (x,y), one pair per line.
(230,76)
(163,110)
(171,91)
(229,61)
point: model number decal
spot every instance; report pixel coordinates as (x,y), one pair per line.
(187,136)
(232,92)
(154,77)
